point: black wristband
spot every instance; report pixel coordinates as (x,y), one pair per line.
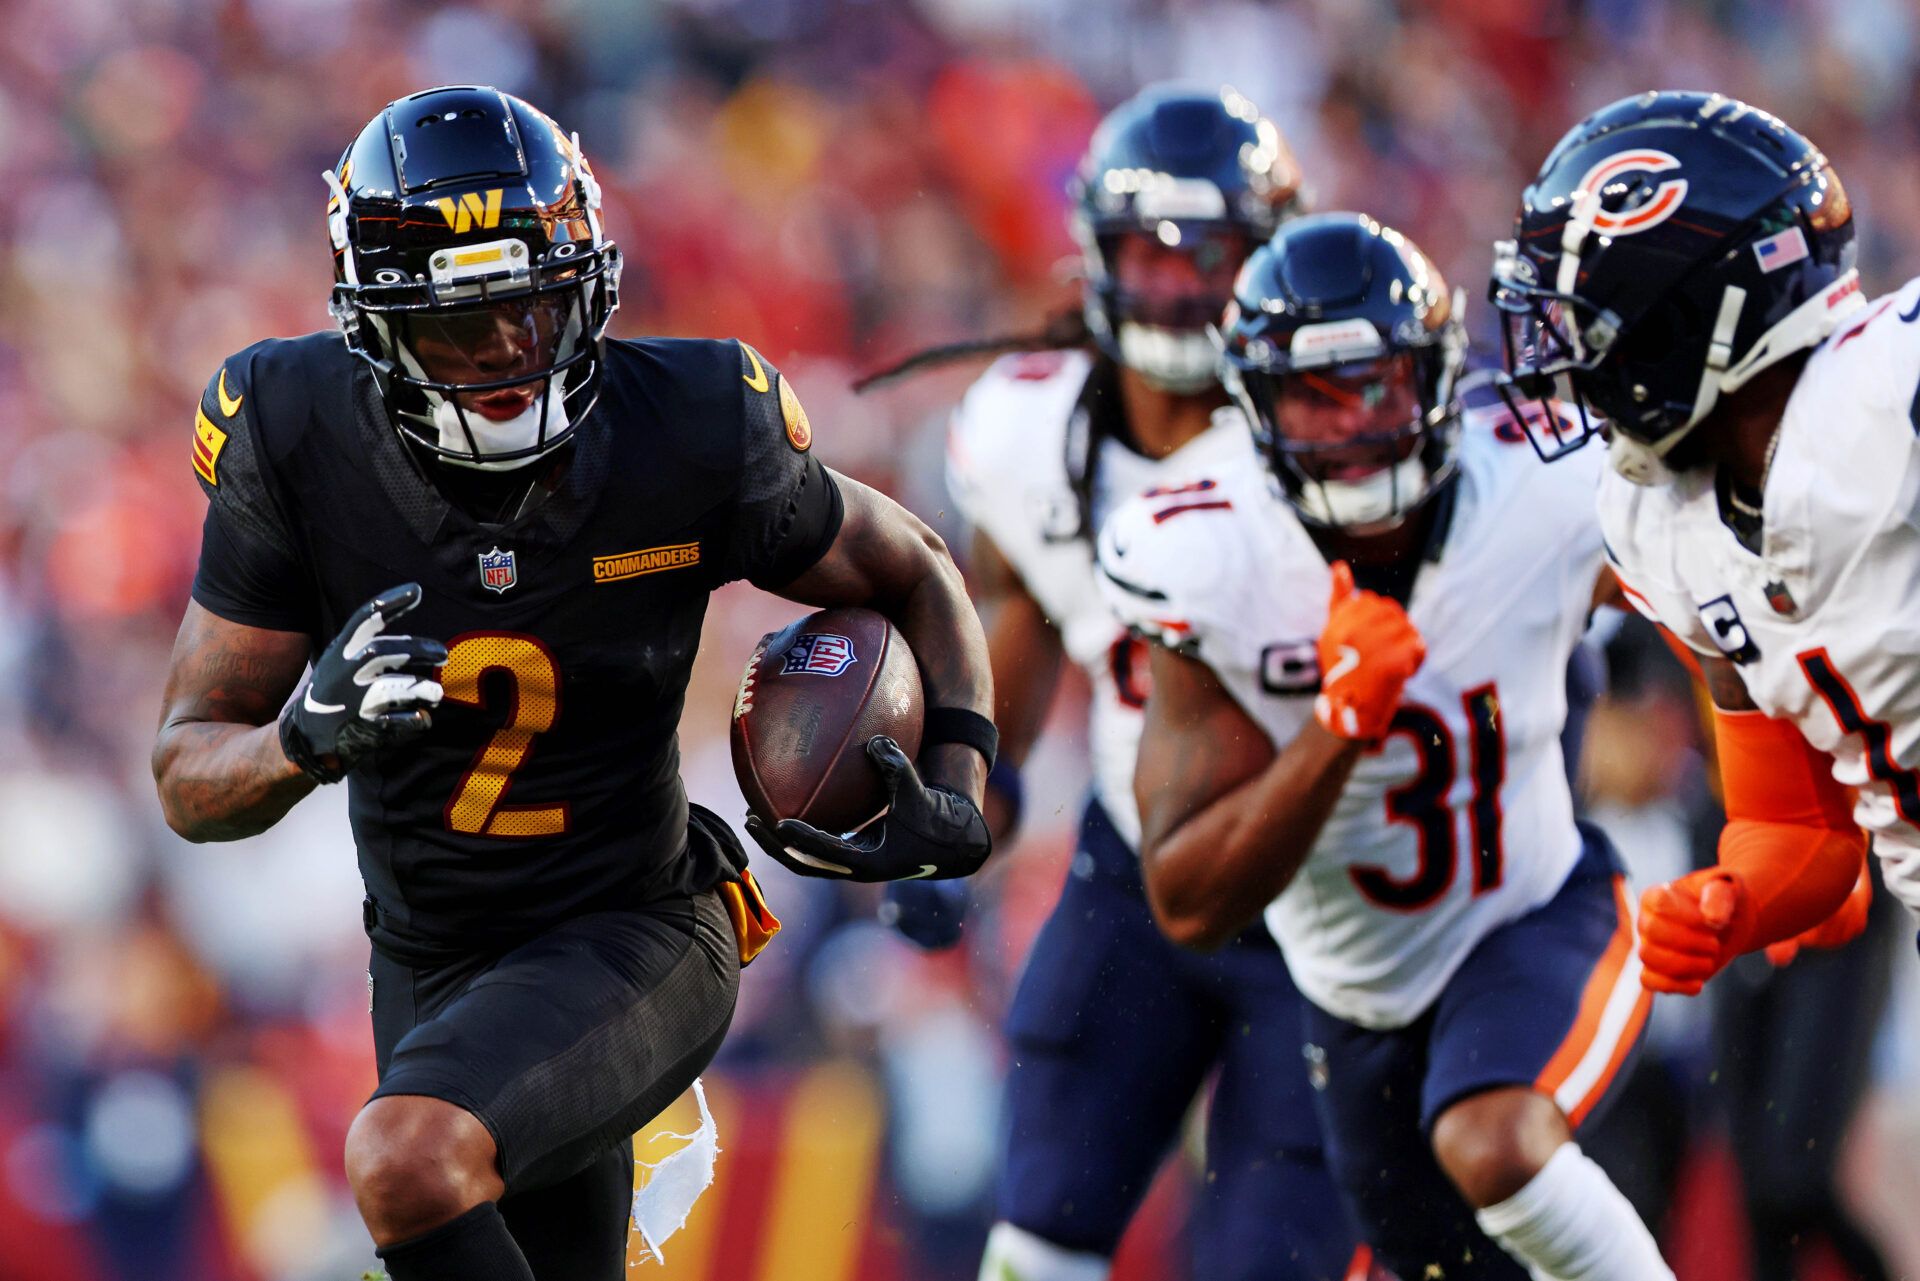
(963,726)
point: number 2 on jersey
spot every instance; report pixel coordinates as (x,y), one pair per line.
(1423,803)
(475,807)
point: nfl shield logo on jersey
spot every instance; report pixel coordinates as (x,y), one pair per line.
(819,654)
(496,570)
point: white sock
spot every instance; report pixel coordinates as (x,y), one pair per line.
(1014,1254)
(1571,1224)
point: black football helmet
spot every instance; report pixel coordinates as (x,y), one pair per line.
(1344,348)
(1199,171)
(471,273)
(1673,246)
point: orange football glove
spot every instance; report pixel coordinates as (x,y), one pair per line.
(1691,928)
(1837,930)
(1368,651)
(1790,864)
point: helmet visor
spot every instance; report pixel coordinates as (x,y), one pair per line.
(1345,422)
(1349,442)
(1551,342)
(506,341)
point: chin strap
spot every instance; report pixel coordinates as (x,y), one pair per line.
(1719,357)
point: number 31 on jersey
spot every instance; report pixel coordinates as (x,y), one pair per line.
(1424,803)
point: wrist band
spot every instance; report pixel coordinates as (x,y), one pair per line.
(959,725)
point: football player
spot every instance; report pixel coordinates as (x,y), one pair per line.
(1358,689)
(1112,1029)
(492,531)
(1683,265)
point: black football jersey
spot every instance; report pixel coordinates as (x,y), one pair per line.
(549,784)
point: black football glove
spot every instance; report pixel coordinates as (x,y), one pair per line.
(369,691)
(931,832)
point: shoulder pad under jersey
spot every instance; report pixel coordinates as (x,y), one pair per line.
(1009,427)
(1169,560)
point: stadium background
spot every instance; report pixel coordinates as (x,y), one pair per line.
(183,1033)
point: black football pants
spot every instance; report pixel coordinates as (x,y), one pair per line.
(563,1047)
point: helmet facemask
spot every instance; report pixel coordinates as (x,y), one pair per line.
(1357,441)
(1548,336)
(1158,292)
(489,370)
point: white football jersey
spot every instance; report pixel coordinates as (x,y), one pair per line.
(1824,624)
(1461,820)
(1007,467)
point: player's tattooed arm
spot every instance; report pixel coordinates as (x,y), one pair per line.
(1226,822)
(887,559)
(217,759)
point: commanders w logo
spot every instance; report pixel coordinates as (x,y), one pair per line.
(473,210)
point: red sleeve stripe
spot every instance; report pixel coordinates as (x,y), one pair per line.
(1212,504)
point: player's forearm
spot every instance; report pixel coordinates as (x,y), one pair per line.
(1795,876)
(940,626)
(1026,658)
(221,781)
(1212,875)
(1023,647)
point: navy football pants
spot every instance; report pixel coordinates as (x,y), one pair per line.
(1113,1031)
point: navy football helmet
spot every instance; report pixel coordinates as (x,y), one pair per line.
(1673,246)
(1345,348)
(471,273)
(1199,172)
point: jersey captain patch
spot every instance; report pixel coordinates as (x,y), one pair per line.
(208,441)
(1729,632)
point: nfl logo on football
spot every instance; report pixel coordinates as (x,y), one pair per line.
(819,654)
(496,570)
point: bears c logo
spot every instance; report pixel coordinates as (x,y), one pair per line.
(1662,205)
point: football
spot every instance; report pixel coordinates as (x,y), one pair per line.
(812,695)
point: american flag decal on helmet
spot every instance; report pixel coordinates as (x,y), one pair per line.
(1781,249)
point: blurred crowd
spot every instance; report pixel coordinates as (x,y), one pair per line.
(183,1031)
